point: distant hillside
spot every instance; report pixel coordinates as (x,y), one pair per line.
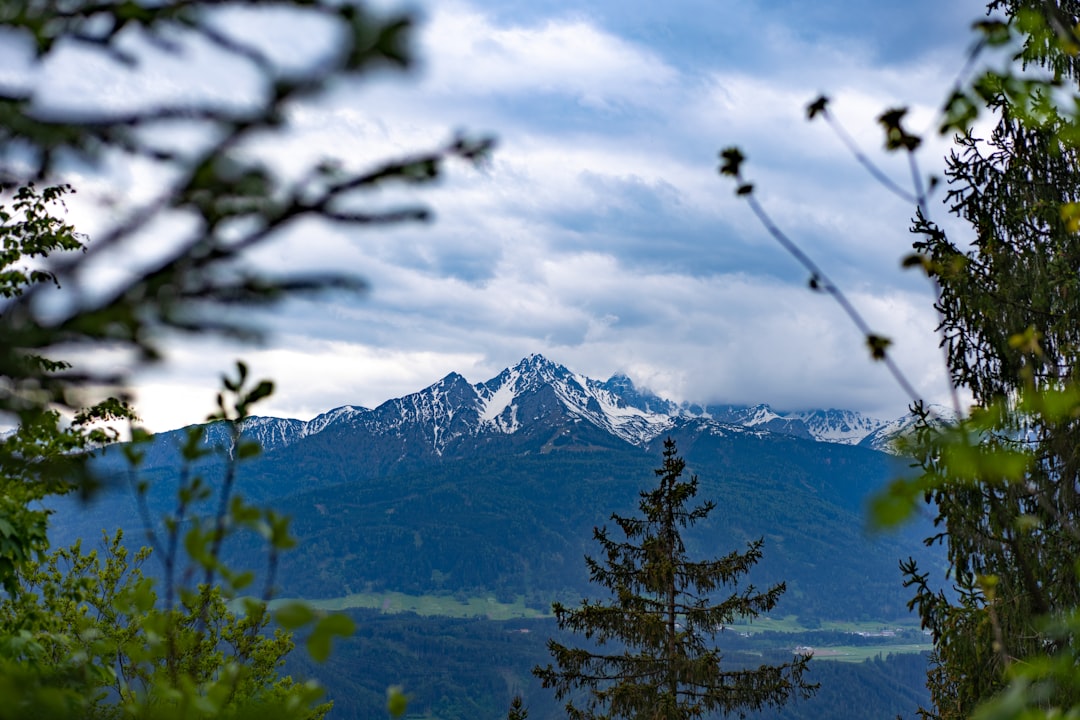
(496,488)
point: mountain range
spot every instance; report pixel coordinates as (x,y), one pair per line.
(537,394)
(496,487)
(475,493)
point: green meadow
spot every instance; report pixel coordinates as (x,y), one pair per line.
(442,605)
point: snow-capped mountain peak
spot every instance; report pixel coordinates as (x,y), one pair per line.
(883,438)
(504,396)
(840,426)
(345,413)
(537,393)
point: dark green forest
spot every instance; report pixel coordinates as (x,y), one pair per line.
(517,525)
(467,668)
(510,527)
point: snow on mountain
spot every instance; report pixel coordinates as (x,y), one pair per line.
(582,397)
(497,396)
(536,391)
(622,388)
(839,426)
(343,414)
(434,417)
(271,432)
(884,437)
(759,416)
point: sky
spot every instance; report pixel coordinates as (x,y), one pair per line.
(599,232)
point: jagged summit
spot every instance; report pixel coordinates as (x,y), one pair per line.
(623,389)
(537,386)
(541,399)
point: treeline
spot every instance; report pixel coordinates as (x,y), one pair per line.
(470,668)
(519,525)
(890,686)
(515,526)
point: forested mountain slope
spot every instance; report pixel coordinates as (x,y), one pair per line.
(496,488)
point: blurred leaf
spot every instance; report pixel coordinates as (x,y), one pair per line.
(817,107)
(732,159)
(396,701)
(895,505)
(318,643)
(294,615)
(878,346)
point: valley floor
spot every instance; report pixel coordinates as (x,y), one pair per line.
(471,664)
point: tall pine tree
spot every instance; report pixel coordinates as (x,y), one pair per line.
(1010,318)
(653,655)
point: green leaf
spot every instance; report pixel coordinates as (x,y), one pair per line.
(1028,523)
(264,389)
(895,505)
(280,539)
(248,450)
(241,580)
(253,607)
(197,544)
(242,513)
(294,615)
(318,643)
(1070,215)
(142,596)
(397,702)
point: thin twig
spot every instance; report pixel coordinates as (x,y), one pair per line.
(919,199)
(824,283)
(865,161)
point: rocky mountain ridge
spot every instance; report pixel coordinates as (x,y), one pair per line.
(537,390)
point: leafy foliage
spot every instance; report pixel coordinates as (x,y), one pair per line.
(44,455)
(660,616)
(226,196)
(162,655)
(89,635)
(93,622)
(1003,480)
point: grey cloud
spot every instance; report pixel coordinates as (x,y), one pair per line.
(600,234)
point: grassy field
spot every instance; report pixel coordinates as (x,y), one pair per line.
(395,602)
(845,653)
(492,609)
(790,623)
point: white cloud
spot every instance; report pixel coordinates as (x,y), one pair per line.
(599,234)
(466,52)
(732,338)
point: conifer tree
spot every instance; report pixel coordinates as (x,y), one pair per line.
(652,654)
(1009,304)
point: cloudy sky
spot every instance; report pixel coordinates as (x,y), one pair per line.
(599,233)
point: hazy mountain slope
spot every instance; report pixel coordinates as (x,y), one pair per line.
(496,488)
(519,523)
